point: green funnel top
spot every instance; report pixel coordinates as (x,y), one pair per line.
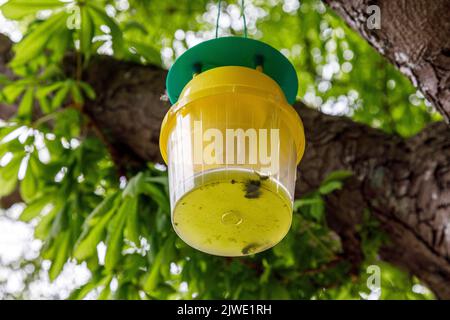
(232,51)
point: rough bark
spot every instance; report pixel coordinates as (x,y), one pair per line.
(5,55)
(414,35)
(405,184)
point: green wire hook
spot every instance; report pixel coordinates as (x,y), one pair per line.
(242,14)
(218,17)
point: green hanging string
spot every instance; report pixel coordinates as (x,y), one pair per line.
(242,14)
(218,17)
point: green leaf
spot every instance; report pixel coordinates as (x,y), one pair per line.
(26,105)
(318,210)
(157,195)
(330,187)
(100,17)
(35,208)
(42,230)
(148,52)
(305,202)
(132,227)
(17,9)
(134,186)
(8,176)
(133,25)
(94,282)
(34,43)
(106,292)
(152,279)
(77,96)
(60,223)
(338,175)
(161,180)
(82,291)
(279,292)
(94,227)
(109,203)
(51,72)
(29,186)
(62,254)
(7,186)
(87,247)
(49,250)
(58,45)
(334,181)
(4,80)
(114,240)
(61,95)
(67,122)
(88,90)
(13,91)
(44,104)
(44,91)
(86,33)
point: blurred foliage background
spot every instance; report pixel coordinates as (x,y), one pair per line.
(118,228)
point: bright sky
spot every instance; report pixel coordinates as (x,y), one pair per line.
(18,244)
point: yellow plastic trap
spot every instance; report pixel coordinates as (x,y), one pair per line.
(232,144)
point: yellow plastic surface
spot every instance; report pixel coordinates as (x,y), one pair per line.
(241,81)
(233,213)
(231,209)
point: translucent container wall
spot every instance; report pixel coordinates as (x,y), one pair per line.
(232,145)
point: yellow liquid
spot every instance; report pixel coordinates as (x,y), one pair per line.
(233,213)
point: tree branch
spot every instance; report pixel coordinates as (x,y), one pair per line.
(414,36)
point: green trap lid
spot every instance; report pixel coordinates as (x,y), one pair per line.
(232,51)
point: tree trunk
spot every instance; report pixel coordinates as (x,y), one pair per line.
(414,36)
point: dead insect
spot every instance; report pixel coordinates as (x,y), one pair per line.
(250,248)
(252,189)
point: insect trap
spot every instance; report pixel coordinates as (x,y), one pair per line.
(232,142)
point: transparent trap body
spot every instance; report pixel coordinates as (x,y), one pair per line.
(232,144)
